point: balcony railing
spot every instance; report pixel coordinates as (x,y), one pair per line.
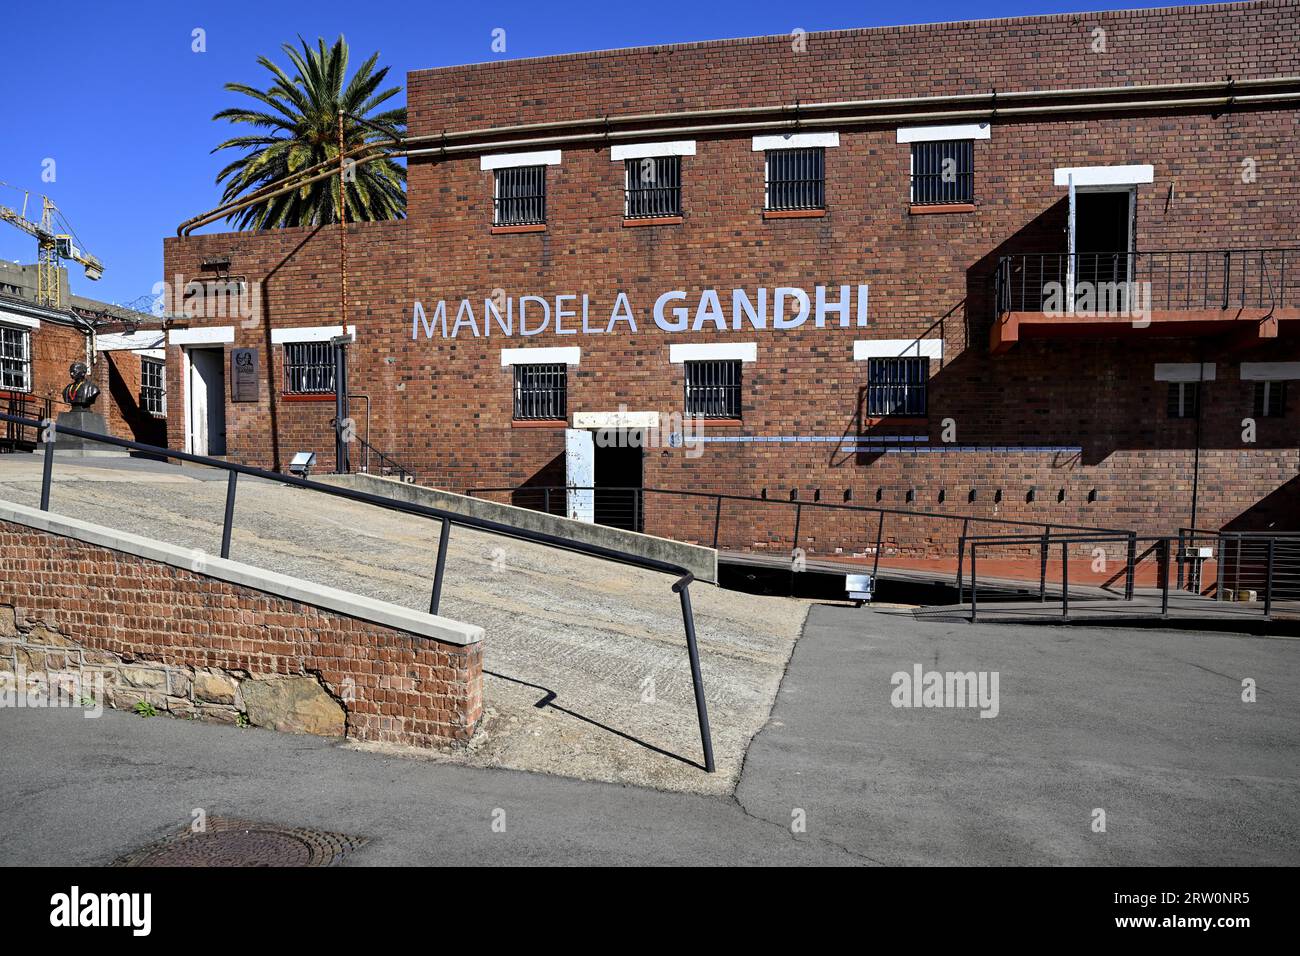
(1190,280)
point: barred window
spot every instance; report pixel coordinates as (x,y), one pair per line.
(541,392)
(308,368)
(796,178)
(520,198)
(943,172)
(1183,397)
(713,389)
(153,386)
(897,386)
(15,359)
(1270,399)
(654,187)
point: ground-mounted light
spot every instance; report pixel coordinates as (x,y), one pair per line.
(301,464)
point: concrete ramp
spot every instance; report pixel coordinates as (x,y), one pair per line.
(700,561)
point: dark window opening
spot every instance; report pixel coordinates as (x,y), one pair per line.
(1183,397)
(520,198)
(1270,399)
(897,386)
(541,392)
(308,368)
(153,386)
(943,172)
(796,178)
(654,187)
(713,389)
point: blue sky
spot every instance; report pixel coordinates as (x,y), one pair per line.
(123,106)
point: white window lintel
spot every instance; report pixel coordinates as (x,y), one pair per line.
(1104,175)
(679,147)
(1184,372)
(546,157)
(1269,371)
(864,349)
(795,141)
(713,351)
(935,134)
(560,355)
(315,333)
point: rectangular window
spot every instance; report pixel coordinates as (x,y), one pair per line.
(713,388)
(1270,399)
(308,368)
(1182,399)
(654,187)
(541,392)
(896,386)
(15,359)
(796,178)
(153,386)
(520,198)
(943,172)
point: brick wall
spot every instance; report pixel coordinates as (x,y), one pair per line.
(117,373)
(169,635)
(444,405)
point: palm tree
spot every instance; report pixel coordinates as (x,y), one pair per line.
(301,129)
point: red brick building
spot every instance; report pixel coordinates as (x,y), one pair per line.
(1041,267)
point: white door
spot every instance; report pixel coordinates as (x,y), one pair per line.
(207,402)
(1072,249)
(580,474)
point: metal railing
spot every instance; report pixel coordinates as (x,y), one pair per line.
(628,507)
(388,465)
(17,437)
(1178,279)
(1257,569)
(681,586)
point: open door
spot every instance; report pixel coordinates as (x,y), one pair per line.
(580,474)
(206,400)
(1073,247)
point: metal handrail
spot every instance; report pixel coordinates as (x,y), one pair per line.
(1179,278)
(1161,545)
(681,586)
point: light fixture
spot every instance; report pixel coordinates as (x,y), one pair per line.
(302,463)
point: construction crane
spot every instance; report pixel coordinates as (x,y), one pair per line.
(55,241)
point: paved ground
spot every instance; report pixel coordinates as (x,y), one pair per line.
(602,642)
(1147,725)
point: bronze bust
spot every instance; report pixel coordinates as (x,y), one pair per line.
(80,393)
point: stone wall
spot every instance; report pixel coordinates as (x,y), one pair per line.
(140,622)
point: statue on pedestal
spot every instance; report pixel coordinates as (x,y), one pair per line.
(80,393)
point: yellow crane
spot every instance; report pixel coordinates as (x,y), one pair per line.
(55,241)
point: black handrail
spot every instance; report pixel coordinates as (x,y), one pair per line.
(1161,545)
(799,505)
(681,586)
(1187,279)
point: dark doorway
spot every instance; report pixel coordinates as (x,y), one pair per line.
(1101,236)
(618,482)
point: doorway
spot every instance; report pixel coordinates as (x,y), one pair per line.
(619,502)
(1103,235)
(206,401)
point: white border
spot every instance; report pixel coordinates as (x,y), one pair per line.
(211,335)
(1184,372)
(317,333)
(864,349)
(795,141)
(547,157)
(9,318)
(1104,175)
(678,147)
(708,351)
(568,355)
(1269,371)
(934,134)
(587,420)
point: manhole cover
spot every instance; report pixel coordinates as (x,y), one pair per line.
(226,842)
